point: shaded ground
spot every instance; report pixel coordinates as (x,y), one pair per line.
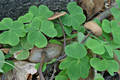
(16,8)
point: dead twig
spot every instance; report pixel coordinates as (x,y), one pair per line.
(54,71)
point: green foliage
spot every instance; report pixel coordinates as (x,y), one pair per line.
(75,18)
(75,50)
(95,46)
(110,65)
(13,31)
(34,29)
(6,67)
(98,77)
(106,26)
(80,67)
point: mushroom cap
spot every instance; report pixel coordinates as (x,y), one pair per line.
(93,27)
(52,51)
(57,15)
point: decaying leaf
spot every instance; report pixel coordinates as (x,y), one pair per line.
(93,27)
(57,15)
(22,72)
(5,50)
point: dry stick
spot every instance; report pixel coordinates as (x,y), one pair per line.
(54,71)
(41,64)
(62,26)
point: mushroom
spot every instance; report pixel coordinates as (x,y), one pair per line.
(57,15)
(51,51)
(93,27)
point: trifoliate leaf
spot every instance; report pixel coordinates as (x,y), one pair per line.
(106,26)
(80,36)
(37,38)
(110,65)
(95,46)
(24,54)
(2,59)
(80,68)
(99,77)
(77,20)
(15,30)
(75,50)
(98,64)
(47,27)
(73,8)
(115,31)
(109,50)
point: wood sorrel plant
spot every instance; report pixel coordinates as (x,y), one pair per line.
(34,28)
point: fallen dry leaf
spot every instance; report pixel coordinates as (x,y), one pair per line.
(93,27)
(57,15)
(5,50)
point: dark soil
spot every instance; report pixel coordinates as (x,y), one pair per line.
(16,8)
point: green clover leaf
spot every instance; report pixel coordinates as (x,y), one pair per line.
(106,26)
(101,65)
(13,31)
(73,8)
(47,27)
(75,17)
(37,38)
(80,67)
(95,46)
(43,12)
(75,50)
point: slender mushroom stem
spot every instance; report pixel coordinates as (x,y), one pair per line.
(41,64)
